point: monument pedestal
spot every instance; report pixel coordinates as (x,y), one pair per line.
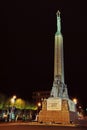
(57,110)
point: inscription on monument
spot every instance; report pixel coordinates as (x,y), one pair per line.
(54,104)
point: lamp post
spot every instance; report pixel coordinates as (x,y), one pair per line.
(39,107)
(12,110)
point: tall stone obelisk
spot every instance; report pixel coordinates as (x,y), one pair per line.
(58,51)
(59,88)
(58,108)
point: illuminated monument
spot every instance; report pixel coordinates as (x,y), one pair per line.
(58,108)
(59,88)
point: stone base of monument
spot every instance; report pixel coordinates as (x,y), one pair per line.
(57,110)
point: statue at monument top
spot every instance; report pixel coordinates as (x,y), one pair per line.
(58,13)
(58,22)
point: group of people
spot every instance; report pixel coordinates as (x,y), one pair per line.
(13,115)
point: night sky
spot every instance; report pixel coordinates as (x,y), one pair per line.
(27,29)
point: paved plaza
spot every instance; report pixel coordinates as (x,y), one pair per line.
(41,126)
(38,127)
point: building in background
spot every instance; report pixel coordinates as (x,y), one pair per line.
(38,96)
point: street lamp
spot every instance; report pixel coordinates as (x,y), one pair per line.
(39,104)
(39,107)
(13,99)
(75,100)
(12,109)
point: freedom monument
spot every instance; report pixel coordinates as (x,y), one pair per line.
(58,108)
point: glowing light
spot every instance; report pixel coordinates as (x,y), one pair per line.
(13,99)
(75,100)
(39,104)
(80,107)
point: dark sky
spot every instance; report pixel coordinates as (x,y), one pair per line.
(27,29)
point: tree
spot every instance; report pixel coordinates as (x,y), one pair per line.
(2,100)
(19,103)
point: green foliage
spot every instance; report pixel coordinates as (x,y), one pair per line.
(30,106)
(19,103)
(2,100)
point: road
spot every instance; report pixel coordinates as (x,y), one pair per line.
(26,126)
